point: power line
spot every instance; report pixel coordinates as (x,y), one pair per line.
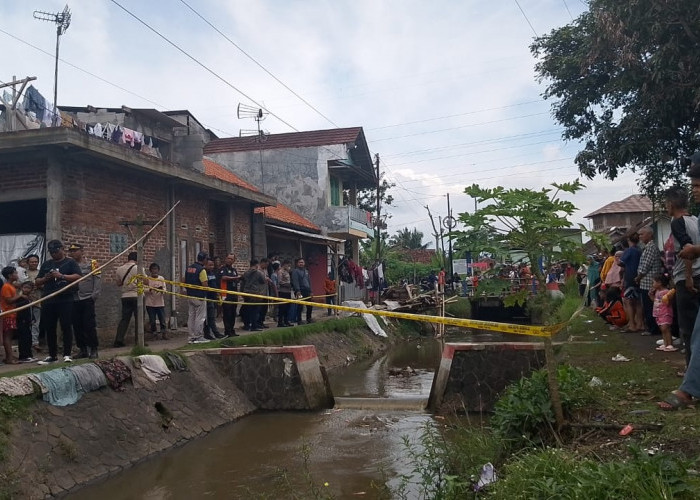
(259,64)
(104,80)
(525,16)
(516,137)
(500,167)
(456,115)
(202,65)
(567,9)
(472,153)
(460,126)
(528,173)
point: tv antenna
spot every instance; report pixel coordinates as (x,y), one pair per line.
(62,21)
(258,114)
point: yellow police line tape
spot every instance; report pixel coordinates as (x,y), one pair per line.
(535,331)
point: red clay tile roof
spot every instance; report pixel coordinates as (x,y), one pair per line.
(213,169)
(631,204)
(287,216)
(287,140)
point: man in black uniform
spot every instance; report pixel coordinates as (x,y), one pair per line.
(229,278)
(54,276)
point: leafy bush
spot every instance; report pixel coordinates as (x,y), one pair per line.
(555,473)
(524,413)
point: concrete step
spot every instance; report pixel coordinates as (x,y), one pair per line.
(381,404)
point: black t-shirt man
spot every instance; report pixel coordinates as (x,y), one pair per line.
(65,267)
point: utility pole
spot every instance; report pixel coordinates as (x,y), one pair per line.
(138,224)
(62,21)
(378,222)
(450,223)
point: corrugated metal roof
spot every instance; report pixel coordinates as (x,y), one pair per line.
(283,141)
(286,215)
(213,169)
(631,204)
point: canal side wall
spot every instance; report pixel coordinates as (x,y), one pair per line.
(277,378)
(57,449)
(471,376)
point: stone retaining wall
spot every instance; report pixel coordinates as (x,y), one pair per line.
(277,378)
(59,448)
(471,376)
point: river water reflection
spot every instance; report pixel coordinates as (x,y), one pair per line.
(261,456)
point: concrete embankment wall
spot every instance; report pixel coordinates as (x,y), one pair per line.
(58,449)
(471,376)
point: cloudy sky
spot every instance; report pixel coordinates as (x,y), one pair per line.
(445,90)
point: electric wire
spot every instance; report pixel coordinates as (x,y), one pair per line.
(259,64)
(468,125)
(456,115)
(202,65)
(526,18)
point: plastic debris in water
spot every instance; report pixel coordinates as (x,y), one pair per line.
(595,382)
(487,476)
(619,357)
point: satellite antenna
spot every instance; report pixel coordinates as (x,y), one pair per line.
(62,21)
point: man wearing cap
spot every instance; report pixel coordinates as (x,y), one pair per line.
(125,274)
(84,323)
(196,274)
(54,277)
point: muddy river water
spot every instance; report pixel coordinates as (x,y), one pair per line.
(342,452)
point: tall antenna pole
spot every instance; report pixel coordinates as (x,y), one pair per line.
(62,21)
(379,209)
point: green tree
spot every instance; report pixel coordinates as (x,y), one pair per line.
(411,239)
(624,79)
(524,219)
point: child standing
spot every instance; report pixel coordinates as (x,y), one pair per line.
(8,296)
(663,311)
(24,324)
(154,300)
(329,289)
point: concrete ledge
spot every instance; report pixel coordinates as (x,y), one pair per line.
(471,376)
(277,378)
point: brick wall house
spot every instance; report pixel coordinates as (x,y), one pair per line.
(80,188)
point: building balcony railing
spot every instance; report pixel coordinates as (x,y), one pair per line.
(348,218)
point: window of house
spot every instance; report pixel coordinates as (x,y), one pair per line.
(335,192)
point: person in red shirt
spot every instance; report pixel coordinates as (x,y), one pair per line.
(441,280)
(8,296)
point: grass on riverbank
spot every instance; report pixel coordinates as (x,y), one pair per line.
(283,336)
(658,459)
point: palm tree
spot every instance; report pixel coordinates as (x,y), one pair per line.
(408,239)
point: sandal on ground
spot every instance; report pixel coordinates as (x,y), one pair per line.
(674,402)
(670,348)
(661,348)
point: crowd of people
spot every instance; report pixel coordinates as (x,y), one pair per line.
(35,325)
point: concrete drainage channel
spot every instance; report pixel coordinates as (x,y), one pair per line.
(350,437)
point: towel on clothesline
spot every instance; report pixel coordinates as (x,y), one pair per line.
(153,367)
(62,387)
(115,371)
(89,376)
(16,386)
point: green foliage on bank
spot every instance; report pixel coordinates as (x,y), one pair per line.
(524,414)
(557,473)
(284,336)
